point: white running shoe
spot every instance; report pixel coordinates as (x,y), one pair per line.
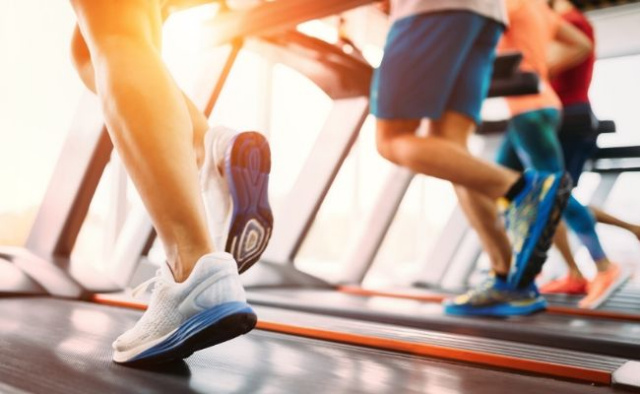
(234,180)
(207,309)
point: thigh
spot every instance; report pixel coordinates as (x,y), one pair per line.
(100,20)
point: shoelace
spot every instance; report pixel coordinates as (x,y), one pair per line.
(517,220)
(481,288)
(142,287)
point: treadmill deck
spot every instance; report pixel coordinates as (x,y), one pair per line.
(60,346)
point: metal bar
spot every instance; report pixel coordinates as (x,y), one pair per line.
(616,168)
(600,195)
(217,77)
(132,241)
(303,202)
(623,152)
(362,253)
(463,263)
(438,258)
(15,281)
(272,17)
(73,183)
(338,74)
(117,204)
(50,274)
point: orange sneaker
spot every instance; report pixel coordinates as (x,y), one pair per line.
(602,286)
(566,285)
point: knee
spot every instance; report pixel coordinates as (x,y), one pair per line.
(81,60)
(80,56)
(384,144)
(389,135)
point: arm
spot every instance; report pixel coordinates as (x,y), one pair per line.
(570,48)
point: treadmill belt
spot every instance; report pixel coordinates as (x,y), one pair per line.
(626,299)
(59,346)
(610,337)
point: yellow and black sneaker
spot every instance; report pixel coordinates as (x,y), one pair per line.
(495,297)
(531,219)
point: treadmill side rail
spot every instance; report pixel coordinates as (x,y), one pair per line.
(627,376)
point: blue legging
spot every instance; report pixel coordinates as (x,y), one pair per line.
(531,141)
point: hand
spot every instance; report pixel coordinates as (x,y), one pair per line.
(384,6)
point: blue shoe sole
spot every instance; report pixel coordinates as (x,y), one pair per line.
(529,262)
(208,328)
(247,167)
(499,310)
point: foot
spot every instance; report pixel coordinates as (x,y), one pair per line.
(601,287)
(495,297)
(207,309)
(566,285)
(234,181)
(531,221)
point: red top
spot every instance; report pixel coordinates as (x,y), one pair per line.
(572,85)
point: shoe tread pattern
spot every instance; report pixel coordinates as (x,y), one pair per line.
(247,166)
(543,243)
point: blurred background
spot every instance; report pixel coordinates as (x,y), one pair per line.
(39,95)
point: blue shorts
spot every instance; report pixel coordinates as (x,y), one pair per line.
(433,63)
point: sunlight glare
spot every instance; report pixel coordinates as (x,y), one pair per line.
(320,29)
(373,54)
(183,31)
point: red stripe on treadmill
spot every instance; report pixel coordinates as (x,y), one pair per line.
(356,290)
(418,349)
(558,310)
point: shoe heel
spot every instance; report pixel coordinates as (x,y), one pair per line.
(248,164)
(539,253)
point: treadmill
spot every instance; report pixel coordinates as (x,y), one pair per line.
(61,344)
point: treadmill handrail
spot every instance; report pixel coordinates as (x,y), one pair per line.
(272,17)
